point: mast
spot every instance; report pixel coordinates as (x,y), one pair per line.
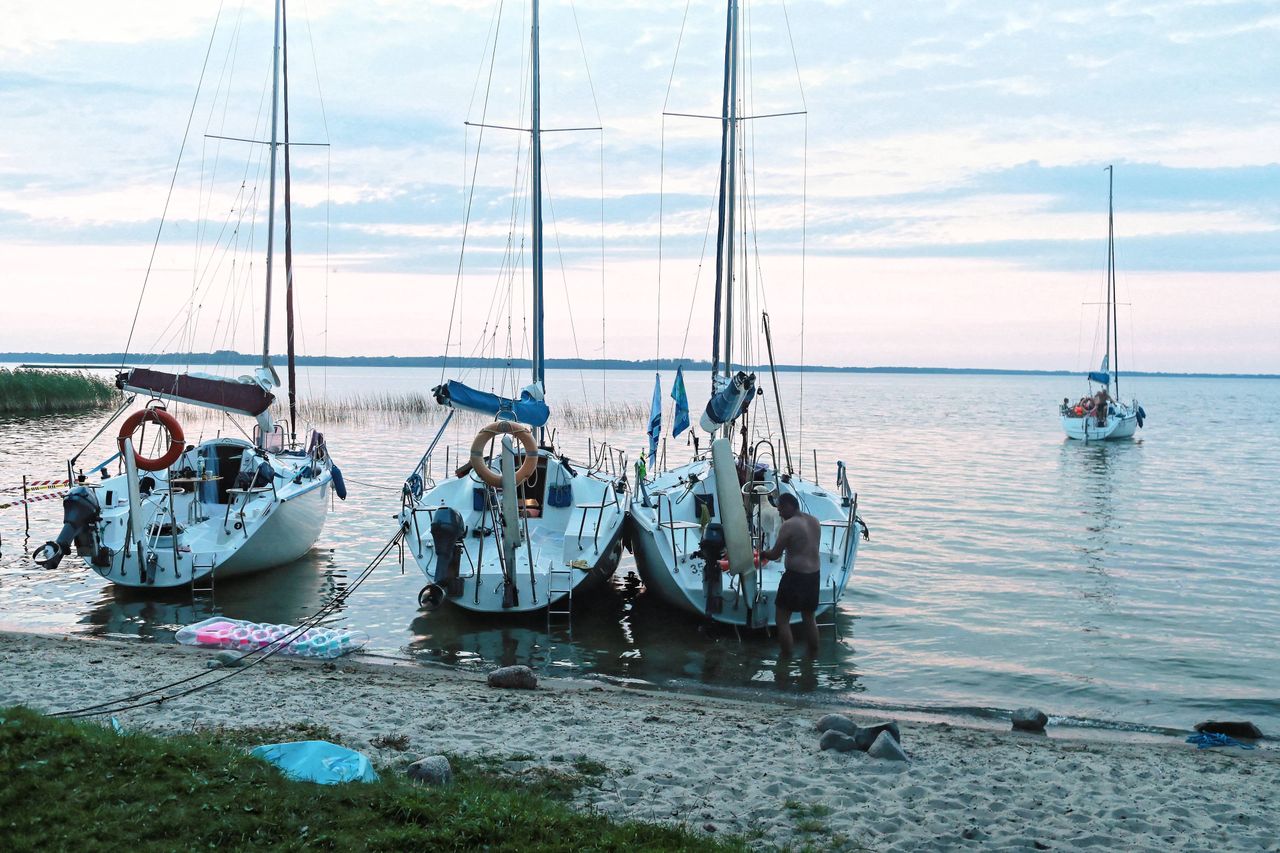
(288,234)
(271,193)
(1113,317)
(732,206)
(539,370)
(724,224)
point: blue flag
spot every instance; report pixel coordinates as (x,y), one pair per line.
(682,404)
(655,417)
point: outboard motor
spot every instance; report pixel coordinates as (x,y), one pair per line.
(447,533)
(80,515)
(711,549)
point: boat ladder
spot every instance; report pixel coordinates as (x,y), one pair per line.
(560,583)
(202,584)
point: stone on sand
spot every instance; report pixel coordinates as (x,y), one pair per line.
(867,734)
(1230,728)
(886,747)
(513,677)
(1030,720)
(839,741)
(432,770)
(837,723)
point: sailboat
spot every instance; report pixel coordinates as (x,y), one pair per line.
(1100,414)
(518,527)
(696,529)
(191,513)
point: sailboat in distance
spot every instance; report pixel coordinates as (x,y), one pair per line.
(1100,414)
(187,514)
(696,528)
(518,527)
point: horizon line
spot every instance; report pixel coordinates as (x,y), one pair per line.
(232,357)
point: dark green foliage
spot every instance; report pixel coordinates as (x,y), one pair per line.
(82,787)
(38,392)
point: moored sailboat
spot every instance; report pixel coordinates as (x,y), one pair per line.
(696,529)
(537,528)
(222,507)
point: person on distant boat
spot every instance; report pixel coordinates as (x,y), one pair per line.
(1100,401)
(799,538)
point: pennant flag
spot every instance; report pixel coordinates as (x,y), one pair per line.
(655,417)
(682,404)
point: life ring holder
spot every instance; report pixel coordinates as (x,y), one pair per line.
(165,421)
(487,434)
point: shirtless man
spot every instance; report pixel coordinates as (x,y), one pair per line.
(798,538)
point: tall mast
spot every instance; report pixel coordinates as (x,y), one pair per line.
(724,224)
(732,206)
(1111,266)
(539,370)
(1111,273)
(271,193)
(288,234)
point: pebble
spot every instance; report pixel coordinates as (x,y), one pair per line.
(432,770)
(1030,720)
(886,747)
(837,723)
(1231,728)
(228,658)
(514,677)
(839,741)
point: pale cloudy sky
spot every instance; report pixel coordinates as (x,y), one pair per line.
(956,205)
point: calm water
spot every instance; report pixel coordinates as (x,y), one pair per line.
(1118,584)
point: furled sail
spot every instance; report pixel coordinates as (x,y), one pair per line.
(529,409)
(244,396)
(729,402)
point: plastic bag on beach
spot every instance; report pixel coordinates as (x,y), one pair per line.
(317,761)
(218,632)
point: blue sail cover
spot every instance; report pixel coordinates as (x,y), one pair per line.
(527,410)
(729,402)
(1099,377)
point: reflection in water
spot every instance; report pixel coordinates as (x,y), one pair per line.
(1115,581)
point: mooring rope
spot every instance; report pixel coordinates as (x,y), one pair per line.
(156,695)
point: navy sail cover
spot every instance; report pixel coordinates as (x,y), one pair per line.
(230,395)
(732,400)
(1100,377)
(528,409)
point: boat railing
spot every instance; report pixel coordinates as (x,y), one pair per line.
(422,469)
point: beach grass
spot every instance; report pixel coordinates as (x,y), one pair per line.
(38,392)
(83,786)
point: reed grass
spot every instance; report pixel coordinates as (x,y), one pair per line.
(414,405)
(38,392)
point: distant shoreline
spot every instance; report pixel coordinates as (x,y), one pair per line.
(109,359)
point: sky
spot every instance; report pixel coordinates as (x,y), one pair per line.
(941,201)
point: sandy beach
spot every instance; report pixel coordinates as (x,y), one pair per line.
(716,765)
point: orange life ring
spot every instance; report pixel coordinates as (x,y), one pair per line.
(168,423)
(478,464)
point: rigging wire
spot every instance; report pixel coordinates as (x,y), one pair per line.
(169,196)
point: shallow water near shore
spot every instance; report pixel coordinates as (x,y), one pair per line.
(1130,584)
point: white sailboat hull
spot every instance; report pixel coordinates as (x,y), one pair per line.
(665,536)
(248,532)
(565,551)
(1121,422)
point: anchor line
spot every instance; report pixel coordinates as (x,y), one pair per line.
(157,695)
